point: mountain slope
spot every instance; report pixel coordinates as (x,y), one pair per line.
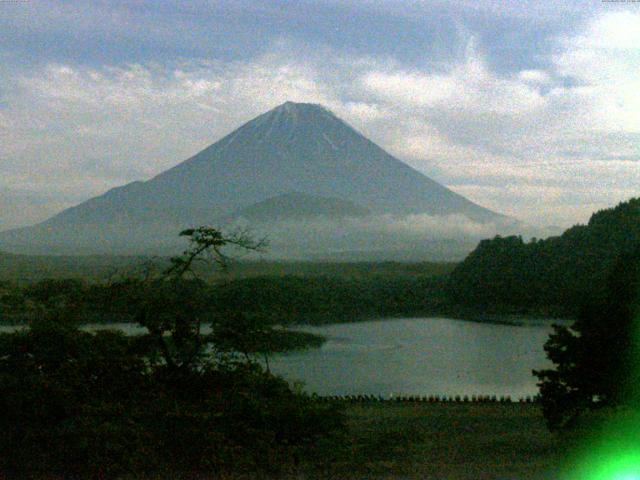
(299,205)
(292,148)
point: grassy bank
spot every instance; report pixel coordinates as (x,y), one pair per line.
(404,441)
(442,441)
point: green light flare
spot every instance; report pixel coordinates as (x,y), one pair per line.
(614,455)
(612,451)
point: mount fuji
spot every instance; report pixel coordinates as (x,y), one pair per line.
(296,161)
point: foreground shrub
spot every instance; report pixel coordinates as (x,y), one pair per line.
(80,405)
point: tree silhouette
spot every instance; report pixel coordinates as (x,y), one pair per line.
(596,359)
(173,304)
(174,403)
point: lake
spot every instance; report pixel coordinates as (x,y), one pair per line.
(417,356)
(420,357)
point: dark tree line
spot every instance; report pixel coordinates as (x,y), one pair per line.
(331,299)
(547,277)
(276,299)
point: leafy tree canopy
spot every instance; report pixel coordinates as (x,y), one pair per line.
(547,277)
(597,359)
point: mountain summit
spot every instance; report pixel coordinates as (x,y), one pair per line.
(296,147)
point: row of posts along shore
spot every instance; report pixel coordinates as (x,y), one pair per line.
(475,399)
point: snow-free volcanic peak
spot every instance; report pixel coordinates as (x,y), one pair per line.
(295,147)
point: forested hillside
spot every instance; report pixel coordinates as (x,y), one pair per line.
(551,276)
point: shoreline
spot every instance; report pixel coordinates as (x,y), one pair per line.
(510,319)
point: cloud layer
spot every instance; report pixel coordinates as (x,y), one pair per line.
(415,237)
(546,145)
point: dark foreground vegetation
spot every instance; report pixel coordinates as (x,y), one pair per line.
(81,405)
(191,398)
(176,402)
(597,359)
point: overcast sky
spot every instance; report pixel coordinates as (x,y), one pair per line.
(531,108)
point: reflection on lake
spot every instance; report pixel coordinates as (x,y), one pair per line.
(420,357)
(412,357)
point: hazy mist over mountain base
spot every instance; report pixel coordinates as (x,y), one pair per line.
(372,237)
(415,237)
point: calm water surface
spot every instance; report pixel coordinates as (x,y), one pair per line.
(420,357)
